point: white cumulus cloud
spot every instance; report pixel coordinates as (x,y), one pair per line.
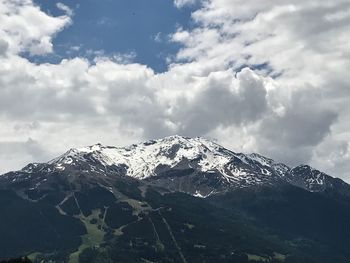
(258,76)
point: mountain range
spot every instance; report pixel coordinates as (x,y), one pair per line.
(176,199)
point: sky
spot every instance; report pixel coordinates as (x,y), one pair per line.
(256,76)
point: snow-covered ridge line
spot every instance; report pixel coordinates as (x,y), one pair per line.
(197,166)
(143,159)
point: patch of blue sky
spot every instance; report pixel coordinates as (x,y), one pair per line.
(136,29)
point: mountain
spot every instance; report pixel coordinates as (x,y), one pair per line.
(175,199)
(196,166)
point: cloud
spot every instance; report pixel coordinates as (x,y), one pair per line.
(302,46)
(294,134)
(182,3)
(3,47)
(333,155)
(158,37)
(267,77)
(26,28)
(252,32)
(31,151)
(221,99)
(65,8)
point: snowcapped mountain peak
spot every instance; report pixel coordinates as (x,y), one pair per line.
(175,152)
(186,143)
(142,160)
(198,166)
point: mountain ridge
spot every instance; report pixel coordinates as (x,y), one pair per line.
(203,161)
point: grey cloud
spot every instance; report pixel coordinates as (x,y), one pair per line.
(34,149)
(136,105)
(305,124)
(30,147)
(333,157)
(3,47)
(13,153)
(26,126)
(223,100)
(23,103)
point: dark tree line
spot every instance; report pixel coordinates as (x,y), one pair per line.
(17,260)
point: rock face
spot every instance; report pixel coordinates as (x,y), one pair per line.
(196,166)
(176,199)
